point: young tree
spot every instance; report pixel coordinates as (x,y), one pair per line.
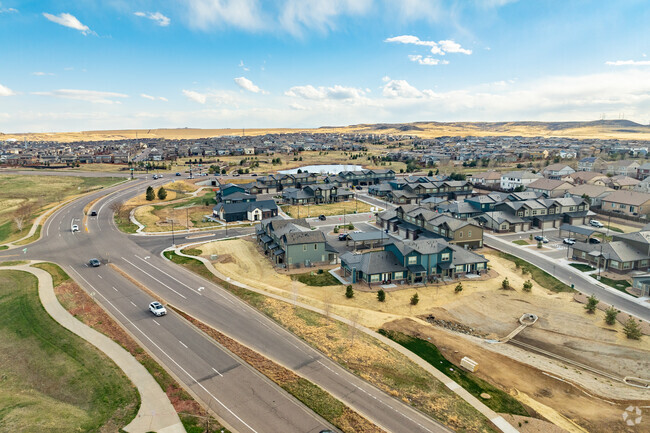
(528,286)
(150,194)
(21,215)
(592,301)
(162,193)
(415,299)
(349,293)
(458,288)
(381,295)
(610,315)
(505,284)
(631,329)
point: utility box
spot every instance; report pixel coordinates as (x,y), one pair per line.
(469,364)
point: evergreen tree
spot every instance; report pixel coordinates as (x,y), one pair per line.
(150,194)
(162,193)
(349,293)
(381,295)
(592,301)
(458,288)
(415,299)
(631,329)
(610,315)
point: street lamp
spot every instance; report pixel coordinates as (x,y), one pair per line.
(173,240)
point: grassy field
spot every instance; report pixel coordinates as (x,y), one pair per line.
(52,380)
(541,277)
(581,267)
(500,401)
(520,242)
(33,194)
(345,207)
(620,285)
(78,303)
(317,279)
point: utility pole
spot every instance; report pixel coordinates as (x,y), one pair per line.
(188,218)
(173,240)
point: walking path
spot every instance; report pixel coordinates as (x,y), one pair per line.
(494,417)
(156,412)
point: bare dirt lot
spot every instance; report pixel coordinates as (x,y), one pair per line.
(563,328)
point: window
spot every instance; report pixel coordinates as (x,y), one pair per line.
(627,265)
(644,262)
(613,263)
(480,266)
(374,278)
(460,235)
(315,246)
(444,257)
(304,247)
(631,208)
(460,268)
(613,205)
(398,275)
(622,206)
(469,233)
(412,260)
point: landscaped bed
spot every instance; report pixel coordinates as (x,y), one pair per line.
(341,208)
(581,267)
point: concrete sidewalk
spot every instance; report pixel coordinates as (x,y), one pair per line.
(494,417)
(156,412)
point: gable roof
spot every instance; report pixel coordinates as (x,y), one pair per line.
(549,184)
(628,197)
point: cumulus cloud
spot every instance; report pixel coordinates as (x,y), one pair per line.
(93,96)
(336,92)
(157,17)
(8,10)
(244,14)
(400,89)
(68,20)
(152,98)
(440,47)
(201,98)
(6,91)
(428,60)
(247,84)
(629,63)
(297,16)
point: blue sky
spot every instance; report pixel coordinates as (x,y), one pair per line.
(117,64)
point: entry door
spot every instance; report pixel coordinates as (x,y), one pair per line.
(385,276)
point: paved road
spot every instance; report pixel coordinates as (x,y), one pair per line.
(569,275)
(246,401)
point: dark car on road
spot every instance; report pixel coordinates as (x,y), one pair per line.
(343,236)
(93,213)
(94,263)
(594,240)
(322,217)
(541,238)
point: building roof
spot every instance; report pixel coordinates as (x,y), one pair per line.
(615,250)
(548,184)
(304,237)
(373,262)
(521,175)
(557,167)
(487,175)
(589,190)
(632,198)
(585,231)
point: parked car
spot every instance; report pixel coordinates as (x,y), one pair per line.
(75,228)
(541,238)
(155,176)
(157,308)
(93,213)
(594,240)
(94,263)
(322,217)
(596,223)
(568,241)
(343,236)
(159,176)
(178,174)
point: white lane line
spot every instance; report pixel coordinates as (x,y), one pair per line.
(114,289)
(165,353)
(183,344)
(100,277)
(216,371)
(151,276)
(133,303)
(156,322)
(175,279)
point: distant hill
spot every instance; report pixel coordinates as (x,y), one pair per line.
(621,129)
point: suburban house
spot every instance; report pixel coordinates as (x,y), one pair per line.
(367,177)
(623,182)
(592,193)
(245,210)
(580,177)
(625,253)
(549,187)
(414,190)
(624,167)
(316,194)
(643,171)
(590,163)
(642,283)
(515,179)
(557,171)
(292,243)
(541,213)
(627,202)
(488,179)
(502,221)
(413,261)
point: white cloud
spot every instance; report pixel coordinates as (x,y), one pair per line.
(629,63)
(201,98)
(6,91)
(400,89)
(297,16)
(241,65)
(162,98)
(440,47)
(68,20)
(93,96)
(145,96)
(336,92)
(244,14)
(42,74)
(8,11)
(297,107)
(159,18)
(247,84)
(428,60)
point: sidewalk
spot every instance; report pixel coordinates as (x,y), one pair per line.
(494,417)
(156,412)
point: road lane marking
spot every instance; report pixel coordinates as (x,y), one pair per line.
(165,353)
(215,370)
(151,276)
(133,304)
(183,344)
(115,289)
(156,322)
(170,276)
(100,277)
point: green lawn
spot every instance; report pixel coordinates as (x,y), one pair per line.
(53,380)
(615,229)
(500,401)
(581,267)
(619,285)
(520,242)
(542,278)
(315,279)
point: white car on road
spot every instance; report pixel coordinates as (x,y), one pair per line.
(596,223)
(75,228)
(157,309)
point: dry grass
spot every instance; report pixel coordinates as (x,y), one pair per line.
(345,207)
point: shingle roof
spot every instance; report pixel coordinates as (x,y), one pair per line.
(304,237)
(628,197)
(373,262)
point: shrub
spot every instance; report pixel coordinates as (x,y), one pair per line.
(458,288)
(610,315)
(631,329)
(150,194)
(350,226)
(320,271)
(162,193)
(528,286)
(415,299)
(336,229)
(505,284)
(592,301)
(381,295)
(539,244)
(349,293)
